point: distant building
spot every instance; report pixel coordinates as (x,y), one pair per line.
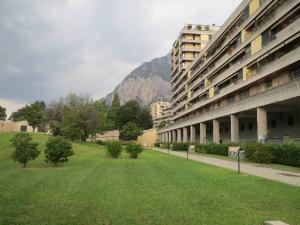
(11,126)
(191,40)
(244,85)
(161,113)
(112,135)
(158,109)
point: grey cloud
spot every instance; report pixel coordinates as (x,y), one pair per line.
(51,47)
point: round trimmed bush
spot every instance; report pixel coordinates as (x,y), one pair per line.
(58,149)
(134,149)
(25,148)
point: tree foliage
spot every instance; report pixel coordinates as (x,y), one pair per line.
(58,149)
(2,113)
(74,117)
(132,112)
(130,131)
(114,112)
(25,148)
(103,110)
(34,114)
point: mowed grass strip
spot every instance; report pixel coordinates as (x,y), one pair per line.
(154,189)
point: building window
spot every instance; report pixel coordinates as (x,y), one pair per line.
(273,123)
(242,127)
(250,126)
(290,121)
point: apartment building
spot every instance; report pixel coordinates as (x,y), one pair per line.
(157,109)
(245,83)
(161,113)
(191,40)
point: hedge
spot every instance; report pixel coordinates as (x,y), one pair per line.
(287,154)
(212,148)
(165,145)
(180,146)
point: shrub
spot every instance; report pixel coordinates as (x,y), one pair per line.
(180,146)
(260,153)
(288,154)
(212,148)
(58,149)
(165,145)
(99,142)
(114,149)
(134,149)
(157,144)
(25,149)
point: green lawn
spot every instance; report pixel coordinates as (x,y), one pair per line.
(155,189)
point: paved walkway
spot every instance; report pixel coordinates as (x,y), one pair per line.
(284,176)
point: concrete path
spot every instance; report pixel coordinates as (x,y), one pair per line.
(284,176)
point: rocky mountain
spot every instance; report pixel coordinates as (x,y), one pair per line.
(146,84)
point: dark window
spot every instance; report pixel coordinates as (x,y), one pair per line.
(23,128)
(266,37)
(290,121)
(242,127)
(273,123)
(250,126)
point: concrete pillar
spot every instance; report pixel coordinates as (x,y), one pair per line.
(216,131)
(202,133)
(234,129)
(170,136)
(192,134)
(179,135)
(173,136)
(159,138)
(262,125)
(185,134)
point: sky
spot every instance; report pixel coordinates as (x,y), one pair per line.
(49,48)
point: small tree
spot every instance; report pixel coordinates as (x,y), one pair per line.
(134,149)
(114,149)
(58,149)
(130,131)
(25,149)
(2,113)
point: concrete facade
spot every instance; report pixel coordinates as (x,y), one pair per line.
(10,126)
(245,83)
(148,138)
(112,135)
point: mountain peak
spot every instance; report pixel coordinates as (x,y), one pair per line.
(147,83)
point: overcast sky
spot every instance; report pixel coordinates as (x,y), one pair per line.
(49,48)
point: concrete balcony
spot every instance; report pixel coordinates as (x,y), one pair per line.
(274,95)
(282,12)
(287,33)
(190,49)
(284,61)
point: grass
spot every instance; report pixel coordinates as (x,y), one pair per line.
(155,189)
